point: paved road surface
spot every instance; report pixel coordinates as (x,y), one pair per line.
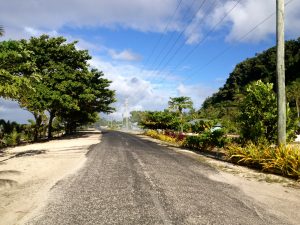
(127,180)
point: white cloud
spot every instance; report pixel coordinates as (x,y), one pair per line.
(249,13)
(37,32)
(140,15)
(126,55)
(195,30)
(197,92)
(143,89)
(22,18)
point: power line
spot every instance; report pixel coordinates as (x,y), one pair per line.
(230,47)
(205,37)
(180,35)
(207,34)
(172,36)
(162,34)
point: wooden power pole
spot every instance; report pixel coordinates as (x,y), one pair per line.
(126,114)
(281,96)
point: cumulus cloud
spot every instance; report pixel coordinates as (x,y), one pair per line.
(135,14)
(23,17)
(142,88)
(126,55)
(249,13)
(239,18)
(197,92)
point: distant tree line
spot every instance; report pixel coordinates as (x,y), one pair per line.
(52,79)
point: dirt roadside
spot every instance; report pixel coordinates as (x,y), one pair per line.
(26,180)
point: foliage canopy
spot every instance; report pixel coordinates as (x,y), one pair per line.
(48,75)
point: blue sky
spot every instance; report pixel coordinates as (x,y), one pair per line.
(153,50)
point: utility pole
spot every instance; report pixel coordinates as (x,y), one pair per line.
(281,96)
(126,113)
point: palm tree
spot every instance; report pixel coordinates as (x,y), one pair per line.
(1,31)
(178,104)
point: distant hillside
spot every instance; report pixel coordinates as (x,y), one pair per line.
(262,66)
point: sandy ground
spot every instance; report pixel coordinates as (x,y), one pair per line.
(277,194)
(26,180)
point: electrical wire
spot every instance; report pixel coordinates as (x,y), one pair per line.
(164,31)
(198,44)
(179,36)
(230,47)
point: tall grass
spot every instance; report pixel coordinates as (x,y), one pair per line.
(283,160)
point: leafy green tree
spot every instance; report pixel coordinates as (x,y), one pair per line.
(258,114)
(258,118)
(60,79)
(178,104)
(293,94)
(58,64)
(15,68)
(136,116)
(92,95)
(159,120)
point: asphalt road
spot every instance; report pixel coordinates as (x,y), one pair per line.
(128,180)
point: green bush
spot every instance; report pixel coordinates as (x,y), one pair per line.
(202,126)
(258,118)
(207,140)
(12,139)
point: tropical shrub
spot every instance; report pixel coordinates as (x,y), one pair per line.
(201,126)
(284,160)
(258,117)
(207,140)
(12,139)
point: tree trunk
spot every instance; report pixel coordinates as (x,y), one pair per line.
(181,122)
(38,120)
(297,106)
(52,115)
(68,128)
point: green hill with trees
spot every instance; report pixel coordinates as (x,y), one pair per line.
(224,103)
(261,67)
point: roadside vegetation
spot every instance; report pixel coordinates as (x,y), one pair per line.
(239,120)
(51,78)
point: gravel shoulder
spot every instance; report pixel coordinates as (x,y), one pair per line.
(25,180)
